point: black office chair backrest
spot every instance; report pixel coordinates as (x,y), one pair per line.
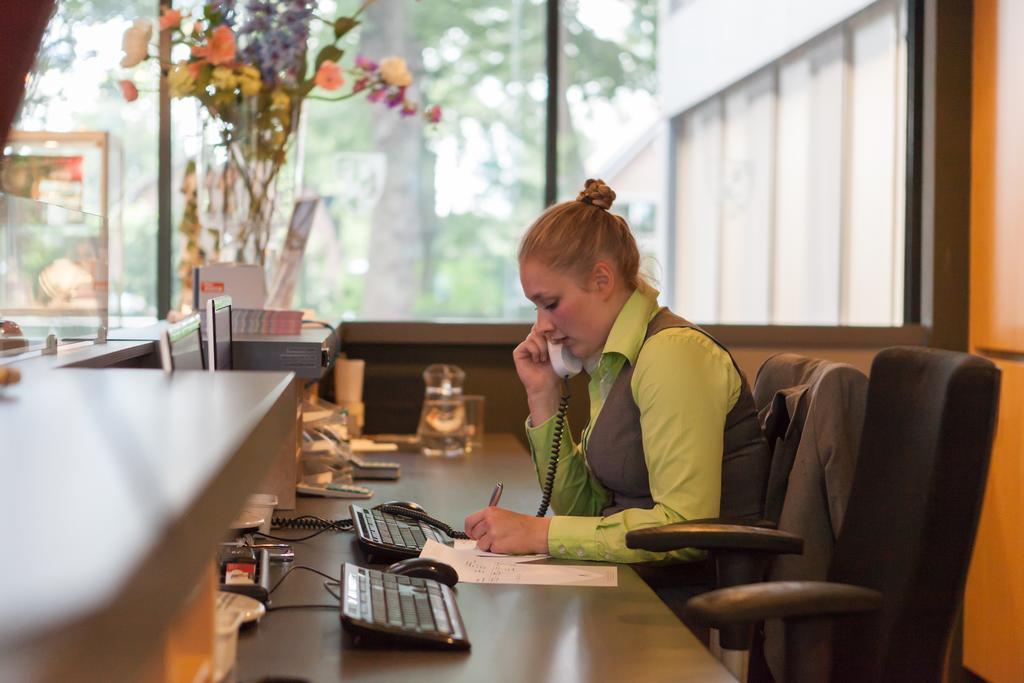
(913,509)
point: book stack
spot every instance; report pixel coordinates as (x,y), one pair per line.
(265,321)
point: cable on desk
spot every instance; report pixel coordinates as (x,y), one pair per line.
(402,511)
(288,538)
(327,587)
(307,522)
(281,607)
(300,566)
(311,522)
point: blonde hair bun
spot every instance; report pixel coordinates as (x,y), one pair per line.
(597,193)
(571,236)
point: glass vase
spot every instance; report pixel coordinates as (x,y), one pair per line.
(246,181)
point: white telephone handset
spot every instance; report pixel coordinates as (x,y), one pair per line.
(562,361)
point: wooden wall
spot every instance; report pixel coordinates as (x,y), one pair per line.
(994,600)
(396,353)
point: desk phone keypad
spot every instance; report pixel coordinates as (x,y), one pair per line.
(401,611)
(393,535)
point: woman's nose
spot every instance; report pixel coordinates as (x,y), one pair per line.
(544,324)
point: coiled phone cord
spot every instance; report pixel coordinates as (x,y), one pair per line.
(311,522)
(556,447)
(403,511)
(314,522)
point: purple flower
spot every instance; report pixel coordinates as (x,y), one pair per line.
(259,7)
(274,37)
(257,23)
(376,95)
(365,64)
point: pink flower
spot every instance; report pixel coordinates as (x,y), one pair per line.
(408,109)
(220,49)
(376,95)
(396,98)
(360,84)
(170,18)
(433,114)
(128,90)
(365,64)
(328,76)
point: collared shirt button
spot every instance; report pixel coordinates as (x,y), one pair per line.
(608,556)
(563,550)
(580,552)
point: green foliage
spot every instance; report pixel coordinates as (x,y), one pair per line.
(343,25)
(329,53)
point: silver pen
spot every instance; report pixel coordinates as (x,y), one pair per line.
(496,494)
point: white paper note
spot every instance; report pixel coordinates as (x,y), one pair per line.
(468,546)
(473,568)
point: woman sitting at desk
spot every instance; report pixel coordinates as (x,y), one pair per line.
(671,414)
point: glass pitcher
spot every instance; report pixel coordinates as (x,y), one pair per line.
(442,428)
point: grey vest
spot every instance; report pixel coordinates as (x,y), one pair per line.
(615,450)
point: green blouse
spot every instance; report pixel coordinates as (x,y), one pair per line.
(684,385)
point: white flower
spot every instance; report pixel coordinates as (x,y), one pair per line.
(394,72)
(135,43)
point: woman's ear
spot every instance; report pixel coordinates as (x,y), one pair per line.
(603,279)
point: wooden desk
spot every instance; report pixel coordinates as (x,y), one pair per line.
(518,633)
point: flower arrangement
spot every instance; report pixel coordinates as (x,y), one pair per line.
(250,70)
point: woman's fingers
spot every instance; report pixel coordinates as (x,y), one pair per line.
(531,348)
(535,346)
(485,542)
(541,343)
(472,521)
(479,523)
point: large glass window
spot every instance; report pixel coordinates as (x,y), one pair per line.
(423,222)
(757,150)
(789,182)
(73,88)
(610,124)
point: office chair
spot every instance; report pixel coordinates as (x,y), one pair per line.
(812,411)
(900,562)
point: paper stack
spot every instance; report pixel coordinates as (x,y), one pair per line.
(265,321)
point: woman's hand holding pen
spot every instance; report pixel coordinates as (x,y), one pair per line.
(540,381)
(502,531)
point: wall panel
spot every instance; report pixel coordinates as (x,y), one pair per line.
(994,600)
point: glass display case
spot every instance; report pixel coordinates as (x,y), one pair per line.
(79,171)
(53,275)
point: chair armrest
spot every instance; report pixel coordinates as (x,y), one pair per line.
(780,600)
(734,521)
(714,537)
